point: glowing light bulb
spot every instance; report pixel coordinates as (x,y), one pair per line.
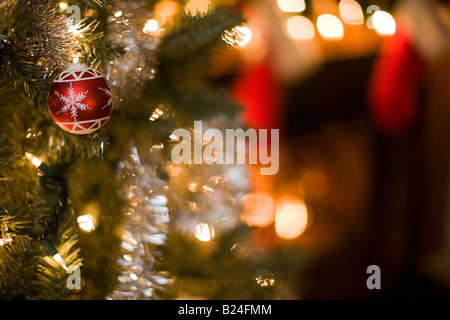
(63,6)
(5,241)
(291,218)
(330,27)
(300,28)
(151,25)
(156,114)
(384,23)
(351,12)
(118,14)
(292,5)
(86,222)
(57,257)
(197,6)
(204,232)
(34,160)
(53,252)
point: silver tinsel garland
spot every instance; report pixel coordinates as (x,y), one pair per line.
(144,231)
(127,25)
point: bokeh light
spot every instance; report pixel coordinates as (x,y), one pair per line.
(259,209)
(292,5)
(300,28)
(63,6)
(351,12)
(330,27)
(384,23)
(151,26)
(291,218)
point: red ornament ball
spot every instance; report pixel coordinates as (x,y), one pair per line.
(80,100)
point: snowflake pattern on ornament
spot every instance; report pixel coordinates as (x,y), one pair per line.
(110,95)
(72,102)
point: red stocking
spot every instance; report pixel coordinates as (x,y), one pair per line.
(395,86)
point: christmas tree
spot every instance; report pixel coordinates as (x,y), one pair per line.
(104,213)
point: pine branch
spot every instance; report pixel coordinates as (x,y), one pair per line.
(96,48)
(51,281)
(195,34)
(184,54)
(17,269)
